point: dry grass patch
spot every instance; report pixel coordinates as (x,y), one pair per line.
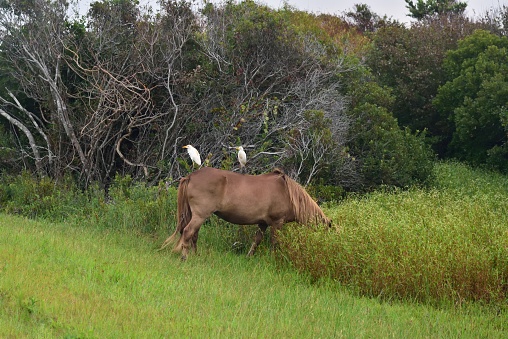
(439,245)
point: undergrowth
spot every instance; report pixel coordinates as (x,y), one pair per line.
(129,205)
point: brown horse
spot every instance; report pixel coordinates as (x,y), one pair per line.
(270,199)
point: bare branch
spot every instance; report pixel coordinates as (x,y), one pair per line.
(30,137)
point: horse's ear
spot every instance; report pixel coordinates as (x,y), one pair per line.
(278,171)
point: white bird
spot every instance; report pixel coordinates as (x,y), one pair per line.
(194,154)
(242,157)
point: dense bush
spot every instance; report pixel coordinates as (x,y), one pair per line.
(386,154)
(410,61)
(137,207)
(276,81)
(44,198)
(474,99)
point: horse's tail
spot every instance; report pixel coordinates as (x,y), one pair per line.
(184,213)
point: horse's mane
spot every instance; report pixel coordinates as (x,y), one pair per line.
(306,210)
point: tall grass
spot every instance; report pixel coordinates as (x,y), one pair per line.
(129,206)
(447,245)
(43,198)
(135,207)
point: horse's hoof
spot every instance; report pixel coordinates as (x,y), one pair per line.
(183,258)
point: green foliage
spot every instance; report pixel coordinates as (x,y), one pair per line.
(42,198)
(466,181)
(326,193)
(410,61)
(363,18)
(444,246)
(275,83)
(256,37)
(245,74)
(388,155)
(425,8)
(130,206)
(475,99)
(396,157)
(333,32)
(135,83)
(137,207)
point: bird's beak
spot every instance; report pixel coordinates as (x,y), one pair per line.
(185,147)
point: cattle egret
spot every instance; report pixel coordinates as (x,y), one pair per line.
(194,154)
(242,157)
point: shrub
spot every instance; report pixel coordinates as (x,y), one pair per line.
(26,195)
(132,206)
(328,193)
(474,99)
(385,153)
(389,155)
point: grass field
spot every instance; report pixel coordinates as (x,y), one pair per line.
(59,280)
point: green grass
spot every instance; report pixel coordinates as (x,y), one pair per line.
(59,280)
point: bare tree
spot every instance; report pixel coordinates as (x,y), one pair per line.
(123,91)
(111,94)
(278,77)
(130,84)
(34,40)
(34,145)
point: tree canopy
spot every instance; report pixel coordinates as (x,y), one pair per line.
(425,8)
(350,101)
(476,99)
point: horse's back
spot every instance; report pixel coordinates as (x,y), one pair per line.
(238,198)
(232,186)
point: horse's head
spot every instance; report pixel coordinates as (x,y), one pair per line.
(322,219)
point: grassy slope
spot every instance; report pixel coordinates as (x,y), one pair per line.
(60,280)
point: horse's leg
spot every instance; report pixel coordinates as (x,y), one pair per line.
(259,236)
(273,233)
(194,242)
(189,235)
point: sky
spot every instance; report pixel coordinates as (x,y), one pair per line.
(391,8)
